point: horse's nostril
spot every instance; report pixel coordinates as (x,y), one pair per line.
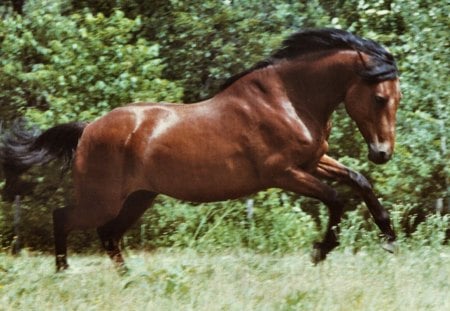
(379,155)
(384,156)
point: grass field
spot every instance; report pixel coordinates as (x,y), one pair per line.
(176,279)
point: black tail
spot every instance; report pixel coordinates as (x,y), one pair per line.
(23,147)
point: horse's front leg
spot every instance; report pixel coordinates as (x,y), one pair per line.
(332,169)
(305,184)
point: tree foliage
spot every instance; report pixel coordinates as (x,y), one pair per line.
(72,60)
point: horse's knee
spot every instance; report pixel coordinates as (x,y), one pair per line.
(359,180)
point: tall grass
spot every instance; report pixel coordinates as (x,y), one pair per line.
(174,279)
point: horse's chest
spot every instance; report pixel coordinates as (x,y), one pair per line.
(307,156)
(310,163)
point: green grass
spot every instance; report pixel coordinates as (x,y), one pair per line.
(174,279)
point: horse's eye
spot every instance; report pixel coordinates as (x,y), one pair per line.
(379,100)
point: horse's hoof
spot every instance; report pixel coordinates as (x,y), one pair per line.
(390,246)
(122,270)
(62,268)
(61,263)
(318,254)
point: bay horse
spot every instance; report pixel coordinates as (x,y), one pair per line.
(267,127)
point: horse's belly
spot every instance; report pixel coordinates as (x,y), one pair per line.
(202,180)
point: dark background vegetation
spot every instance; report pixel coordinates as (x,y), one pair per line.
(63,60)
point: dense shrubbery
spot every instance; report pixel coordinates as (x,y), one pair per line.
(75,60)
(60,68)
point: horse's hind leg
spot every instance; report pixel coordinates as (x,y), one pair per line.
(60,234)
(110,243)
(111,233)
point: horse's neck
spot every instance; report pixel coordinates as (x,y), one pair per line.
(317,85)
(262,86)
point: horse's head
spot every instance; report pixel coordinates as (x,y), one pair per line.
(373,106)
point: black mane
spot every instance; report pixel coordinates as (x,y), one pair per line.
(382,66)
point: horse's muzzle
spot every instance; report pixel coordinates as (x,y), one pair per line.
(379,153)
